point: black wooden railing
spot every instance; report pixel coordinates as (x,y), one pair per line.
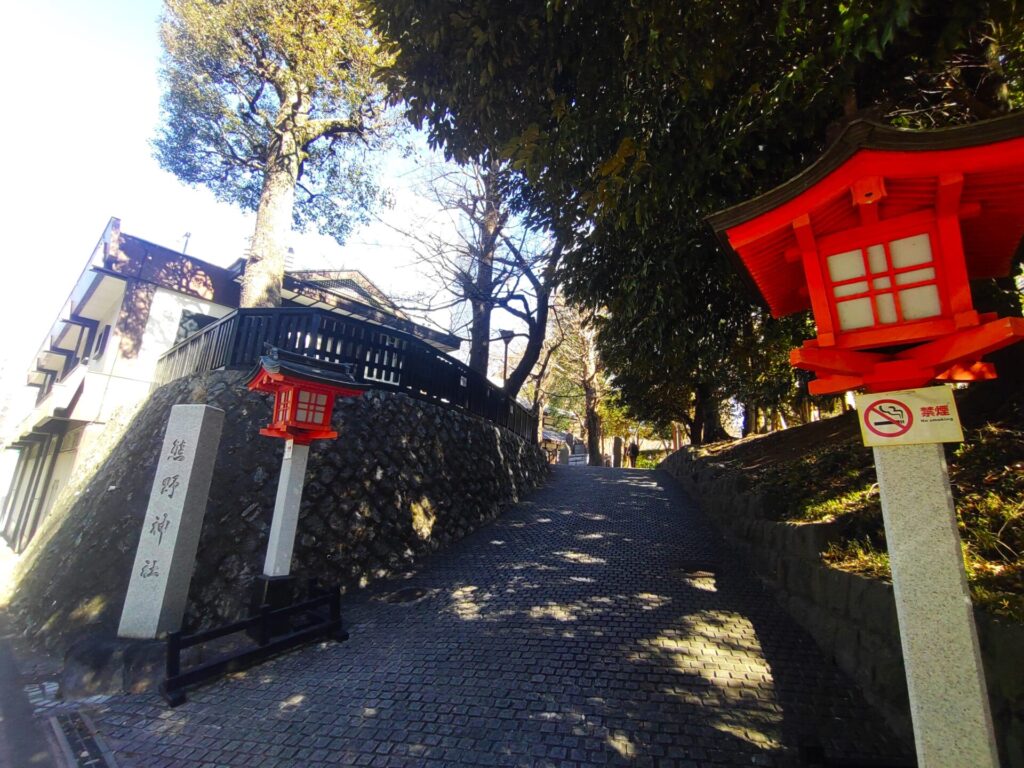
(383,357)
(313,624)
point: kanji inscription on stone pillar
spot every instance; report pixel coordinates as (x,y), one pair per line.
(155,603)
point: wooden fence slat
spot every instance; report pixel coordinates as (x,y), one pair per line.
(384,357)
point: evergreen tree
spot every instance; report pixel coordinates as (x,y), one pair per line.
(274,105)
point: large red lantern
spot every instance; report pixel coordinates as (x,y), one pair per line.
(879,238)
(303,395)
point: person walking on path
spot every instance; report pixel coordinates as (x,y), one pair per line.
(634,451)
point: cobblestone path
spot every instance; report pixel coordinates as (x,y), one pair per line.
(600,622)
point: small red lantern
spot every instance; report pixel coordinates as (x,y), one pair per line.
(879,238)
(303,395)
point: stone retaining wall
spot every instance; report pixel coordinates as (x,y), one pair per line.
(404,478)
(852,618)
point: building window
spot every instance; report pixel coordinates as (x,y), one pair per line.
(886,283)
(101,343)
(191,322)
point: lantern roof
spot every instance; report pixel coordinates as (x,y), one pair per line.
(279,366)
(905,168)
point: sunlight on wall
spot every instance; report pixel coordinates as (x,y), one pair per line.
(88,610)
(423,517)
(98,442)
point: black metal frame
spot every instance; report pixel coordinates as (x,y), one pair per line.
(382,357)
(260,627)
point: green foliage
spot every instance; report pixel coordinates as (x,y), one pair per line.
(575,385)
(615,416)
(861,556)
(988,482)
(987,476)
(844,485)
(650,459)
(630,123)
(256,85)
(758,371)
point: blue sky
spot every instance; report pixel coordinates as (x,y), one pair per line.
(81,110)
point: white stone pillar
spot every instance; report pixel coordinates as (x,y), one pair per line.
(286,510)
(945,679)
(155,603)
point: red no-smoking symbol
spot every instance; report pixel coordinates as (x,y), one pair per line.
(888,418)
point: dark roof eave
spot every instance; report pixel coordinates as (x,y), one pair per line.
(746,279)
(863,134)
(380,316)
(295,366)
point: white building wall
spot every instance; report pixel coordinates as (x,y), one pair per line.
(161,329)
(112,381)
(116,380)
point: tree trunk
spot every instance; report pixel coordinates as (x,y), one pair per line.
(778,420)
(538,331)
(480,332)
(264,271)
(482,300)
(713,431)
(594,458)
(697,424)
(538,408)
(749,418)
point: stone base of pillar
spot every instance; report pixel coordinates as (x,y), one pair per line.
(275,592)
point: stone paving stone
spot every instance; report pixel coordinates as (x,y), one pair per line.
(600,622)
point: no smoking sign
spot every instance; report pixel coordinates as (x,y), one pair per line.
(910,417)
(888,418)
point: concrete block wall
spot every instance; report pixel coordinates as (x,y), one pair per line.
(852,618)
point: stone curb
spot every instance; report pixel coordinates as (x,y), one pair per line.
(850,617)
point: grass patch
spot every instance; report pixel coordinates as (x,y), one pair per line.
(649,459)
(861,556)
(836,482)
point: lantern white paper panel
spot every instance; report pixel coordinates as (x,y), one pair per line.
(921,302)
(909,251)
(855,314)
(845,266)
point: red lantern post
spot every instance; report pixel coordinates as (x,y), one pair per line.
(879,239)
(304,397)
